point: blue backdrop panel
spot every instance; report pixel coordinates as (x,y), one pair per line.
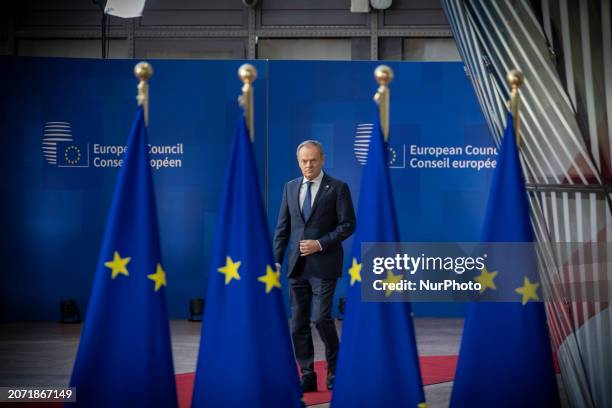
(53,217)
(59,115)
(432,104)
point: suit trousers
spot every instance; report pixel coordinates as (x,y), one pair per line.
(307,291)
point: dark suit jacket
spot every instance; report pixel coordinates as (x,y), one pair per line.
(331,221)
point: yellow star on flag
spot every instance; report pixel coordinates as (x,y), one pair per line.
(230,270)
(355,272)
(159,277)
(486,279)
(271,279)
(391,278)
(529,291)
(117,265)
(422,405)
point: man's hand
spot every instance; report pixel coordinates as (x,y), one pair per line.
(309,247)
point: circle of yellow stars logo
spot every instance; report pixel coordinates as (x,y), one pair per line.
(271,279)
(392,155)
(72,155)
(230,270)
(118,266)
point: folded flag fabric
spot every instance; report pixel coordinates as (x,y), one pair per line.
(245,358)
(125,356)
(505,358)
(378,364)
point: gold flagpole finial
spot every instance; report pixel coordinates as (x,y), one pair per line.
(248,74)
(143,71)
(515,79)
(383,75)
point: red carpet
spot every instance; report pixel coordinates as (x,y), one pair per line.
(434,369)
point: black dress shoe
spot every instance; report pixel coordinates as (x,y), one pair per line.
(330,380)
(309,383)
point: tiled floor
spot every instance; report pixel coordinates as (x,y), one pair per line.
(42,353)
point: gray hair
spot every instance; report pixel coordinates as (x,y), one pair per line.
(310,142)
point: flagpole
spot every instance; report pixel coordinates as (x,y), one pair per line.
(248,74)
(515,79)
(143,71)
(383,75)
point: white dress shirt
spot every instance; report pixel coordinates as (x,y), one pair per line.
(314,189)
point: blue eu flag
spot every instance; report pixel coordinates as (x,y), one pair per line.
(378,364)
(124,357)
(505,358)
(245,356)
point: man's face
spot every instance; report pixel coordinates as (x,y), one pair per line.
(310,161)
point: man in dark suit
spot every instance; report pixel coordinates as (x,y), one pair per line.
(315,216)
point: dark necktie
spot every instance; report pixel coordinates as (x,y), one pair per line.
(307,206)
